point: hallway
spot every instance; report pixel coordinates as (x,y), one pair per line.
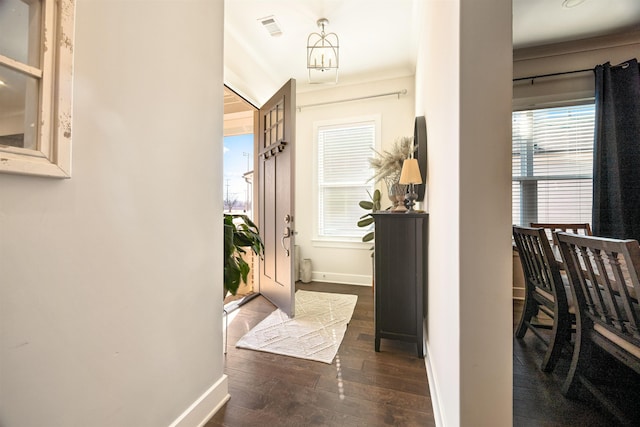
(361,387)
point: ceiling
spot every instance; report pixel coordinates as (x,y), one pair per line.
(378,37)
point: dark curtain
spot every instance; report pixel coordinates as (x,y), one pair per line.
(616,153)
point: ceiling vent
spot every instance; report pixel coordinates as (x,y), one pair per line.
(270,23)
(568,4)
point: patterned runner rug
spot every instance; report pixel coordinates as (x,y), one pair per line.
(315,333)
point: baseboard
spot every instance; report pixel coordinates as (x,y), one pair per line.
(433,388)
(518,293)
(205,406)
(345,279)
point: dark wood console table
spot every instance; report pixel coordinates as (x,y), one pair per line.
(400,276)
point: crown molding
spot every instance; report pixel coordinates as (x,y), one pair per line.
(630,37)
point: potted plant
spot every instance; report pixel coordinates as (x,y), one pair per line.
(389,163)
(387,167)
(239,233)
(366,220)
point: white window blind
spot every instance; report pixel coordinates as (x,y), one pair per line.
(552,165)
(343,174)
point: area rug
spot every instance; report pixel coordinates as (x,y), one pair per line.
(315,333)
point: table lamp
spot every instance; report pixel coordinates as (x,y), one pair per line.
(410,175)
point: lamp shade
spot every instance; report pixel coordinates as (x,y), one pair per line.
(410,172)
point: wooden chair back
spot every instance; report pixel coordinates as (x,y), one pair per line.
(544,290)
(575,228)
(603,275)
(551,228)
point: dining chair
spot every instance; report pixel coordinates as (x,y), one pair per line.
(545,293)
(603,276)
(575,228)
(551,228)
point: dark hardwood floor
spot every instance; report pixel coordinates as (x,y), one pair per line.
(360,388)
(365,388)
(537,397)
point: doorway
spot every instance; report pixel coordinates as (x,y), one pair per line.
(238,177)
(274,156)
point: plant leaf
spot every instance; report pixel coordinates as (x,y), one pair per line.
(239,233)
(365,222)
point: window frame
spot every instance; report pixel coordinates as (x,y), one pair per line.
(531,181)
(52,157)
(338,241)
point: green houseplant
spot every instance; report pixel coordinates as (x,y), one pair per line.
(240,233)
(366,220)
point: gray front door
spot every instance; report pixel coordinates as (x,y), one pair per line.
(276,166)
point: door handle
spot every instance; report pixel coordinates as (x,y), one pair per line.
(285,235)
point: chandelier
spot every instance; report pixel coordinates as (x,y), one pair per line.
(322,55)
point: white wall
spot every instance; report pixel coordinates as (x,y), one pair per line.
(562,57)
(463,86)
(110,297)
(485,213)
(331,264)
(437,98)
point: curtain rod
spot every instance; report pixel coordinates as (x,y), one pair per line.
(622,65)
(398,93)
(552,74)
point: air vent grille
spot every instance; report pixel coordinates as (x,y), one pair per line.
(271,25)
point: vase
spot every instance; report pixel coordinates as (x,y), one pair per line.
(397,193)
(305,270)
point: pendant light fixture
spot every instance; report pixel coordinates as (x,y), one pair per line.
(322,55)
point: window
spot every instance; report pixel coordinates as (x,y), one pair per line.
(343,171)
(36,45)
(552,165)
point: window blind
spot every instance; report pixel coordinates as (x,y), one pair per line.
(552,165)
(343,172)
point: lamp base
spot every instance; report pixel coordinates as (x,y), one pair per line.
(411,200)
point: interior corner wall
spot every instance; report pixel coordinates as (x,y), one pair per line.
(465,60)
(331,264)
(110,296)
